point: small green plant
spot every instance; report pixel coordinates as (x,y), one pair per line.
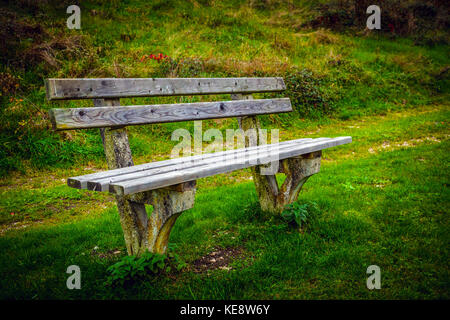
(174,258)
(132,269)
(299,214)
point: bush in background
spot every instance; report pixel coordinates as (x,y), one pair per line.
(424,20)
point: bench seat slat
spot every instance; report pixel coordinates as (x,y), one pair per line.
(201,168)
(217,167)
(81,182)
(104,183)
(98,117)
(98,88)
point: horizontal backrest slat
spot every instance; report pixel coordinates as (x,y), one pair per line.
(65,89)
(97,117)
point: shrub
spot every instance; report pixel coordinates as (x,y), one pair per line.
(306,94)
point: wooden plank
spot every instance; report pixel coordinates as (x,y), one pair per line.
(59,89)
(104,183)
(80,182)
(82,118)
(162,180)
(194,173)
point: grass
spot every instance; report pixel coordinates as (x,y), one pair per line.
(382,199)
(386,207)
(336,75)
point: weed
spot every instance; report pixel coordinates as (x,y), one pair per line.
(300,214)
(132,269)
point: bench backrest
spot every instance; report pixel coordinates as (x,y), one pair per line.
(66,89)
(108,112)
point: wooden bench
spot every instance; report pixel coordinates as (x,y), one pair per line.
(169,186)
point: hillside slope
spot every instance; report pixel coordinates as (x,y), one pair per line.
(342,74)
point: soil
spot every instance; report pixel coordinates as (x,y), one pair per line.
(217,259)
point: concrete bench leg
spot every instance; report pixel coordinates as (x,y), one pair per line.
(273,198)
(141,231)
(168,204)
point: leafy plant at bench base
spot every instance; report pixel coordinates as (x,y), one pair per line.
(132,269)
(300,214)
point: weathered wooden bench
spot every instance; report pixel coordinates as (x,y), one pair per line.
(169,186)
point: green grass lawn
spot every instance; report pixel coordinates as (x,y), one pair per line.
(382,200)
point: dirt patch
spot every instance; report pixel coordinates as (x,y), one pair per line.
(106,255)
(218,259)
(16,226)
(386,145)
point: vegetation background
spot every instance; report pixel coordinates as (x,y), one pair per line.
(382,200)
